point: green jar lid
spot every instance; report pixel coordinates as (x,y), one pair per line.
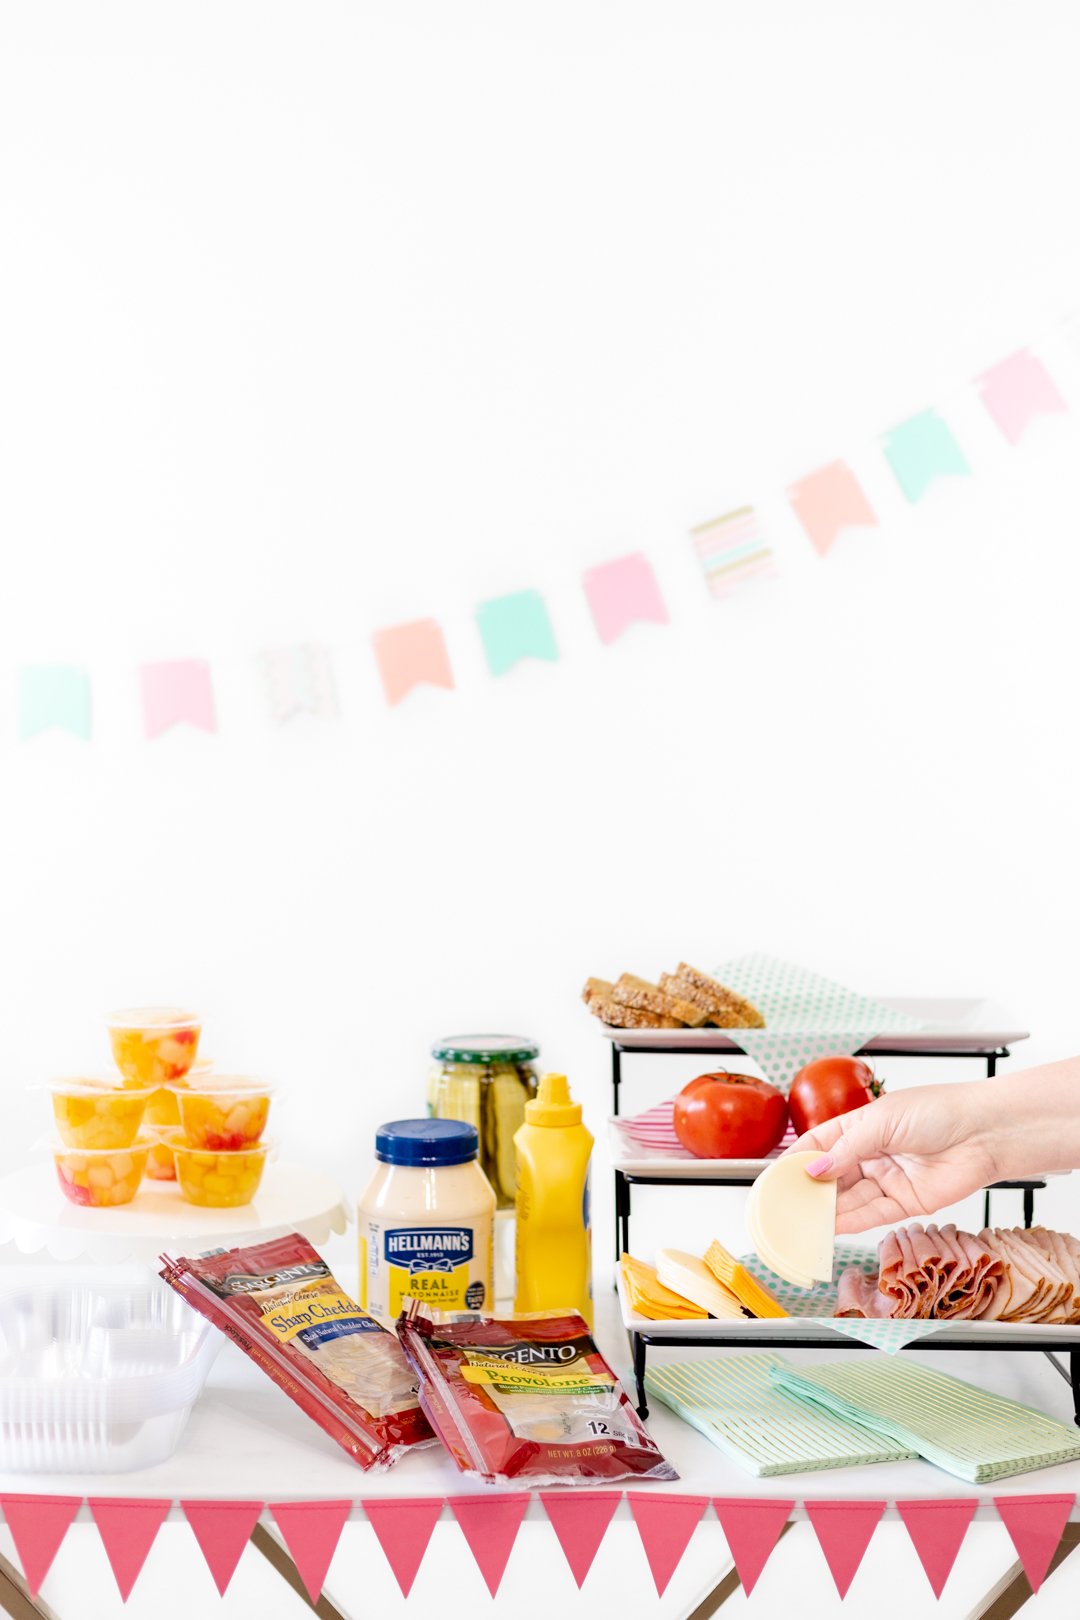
(485,1049)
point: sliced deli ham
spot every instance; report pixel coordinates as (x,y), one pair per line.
(943,1274)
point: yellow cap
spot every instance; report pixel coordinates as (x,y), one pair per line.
(552,1105)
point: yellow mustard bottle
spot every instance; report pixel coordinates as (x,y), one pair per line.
(553,1243)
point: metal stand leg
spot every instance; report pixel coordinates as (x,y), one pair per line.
(1074,1380)
(639,1349)
(622,1216)
(986,1206)
(616,1076)
(1029,1205)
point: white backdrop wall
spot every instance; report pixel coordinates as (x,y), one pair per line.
(317,319)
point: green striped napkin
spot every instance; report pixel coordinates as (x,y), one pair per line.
(733,1402)
(966,1430)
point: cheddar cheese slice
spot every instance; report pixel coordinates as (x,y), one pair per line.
(747,1290)
(648,1297)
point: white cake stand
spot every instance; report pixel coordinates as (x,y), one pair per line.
(36,1218)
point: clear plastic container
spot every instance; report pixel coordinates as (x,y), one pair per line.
(160,1161)
(92,1113)
(153,1046)
(97,1378)
(218,1180)
(101,1177)
(224,1111)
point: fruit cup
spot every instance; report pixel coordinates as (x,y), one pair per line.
(97,1113)
(101,1177)
(221,1180)
(160,1163)
(223,1112)
(154,1046)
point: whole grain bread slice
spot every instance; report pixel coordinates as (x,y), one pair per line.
(634,992)
(614,1012)
(732,1011)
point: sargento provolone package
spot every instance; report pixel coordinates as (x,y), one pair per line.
(281,1304)
(526,1398)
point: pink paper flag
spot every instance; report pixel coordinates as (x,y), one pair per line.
(665,1525)
(622,593)
(1035,1524)
(1018,390)
(937,1530)
(223,1530)
(38,1525)
(411,655)
(752,1526)
(175,691)
(844,1529)
(404,1529)
(311,1531)
(829,500)
(490,1526)
(580,1520)
(127,1526)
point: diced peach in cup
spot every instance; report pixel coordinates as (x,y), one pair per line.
(102,1177)
(225,1112)
(95,1114)
(160,1163)
(220,1180)
(154,1046)
(162,1108)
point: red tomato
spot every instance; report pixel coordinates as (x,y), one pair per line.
(830,1086)
(729,1116)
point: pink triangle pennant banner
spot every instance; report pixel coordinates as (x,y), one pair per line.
(1018,390)
(665,1525)
(403,1529)
(580,1520)
(490,1525)
(311,1531)
(128,1526)
(937,1530)
(38,1525)
(1035,1524)
(622,593)
(223,1530)
(843,1530)
(752,1526)
(829,500)
(176,691)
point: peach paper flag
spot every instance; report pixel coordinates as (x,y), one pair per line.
(403,1529)
(127,1526)
(38,1525)
(1018,390)
(829,500)
(176,691)
(622,593)
(410,655)
(1035,1524)
(311,1531)
(843,1530)
(937,1529)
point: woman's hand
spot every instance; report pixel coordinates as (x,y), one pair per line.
(905,1155)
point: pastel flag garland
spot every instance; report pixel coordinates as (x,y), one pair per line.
(410,655)
(175,691)
(1016,391)
(128,1526)
(580,1520)
(665,1525)
(844,1530)
(622,593)
(731,550)
(311,1531)
(403,1530)
(752,1528)
(937,1529)
(922,450)
(299,680)
(516,627)
(38,1525)
(223,1530)
(54,695)
(490,1525)
(829,500)
(1035,1524)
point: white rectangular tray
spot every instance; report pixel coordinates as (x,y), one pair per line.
(952,1024)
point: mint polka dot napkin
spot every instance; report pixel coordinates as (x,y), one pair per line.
(889,1334)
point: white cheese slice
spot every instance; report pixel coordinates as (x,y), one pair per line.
(689,1276)
(792,1220)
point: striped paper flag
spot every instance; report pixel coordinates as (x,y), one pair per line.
(731,550)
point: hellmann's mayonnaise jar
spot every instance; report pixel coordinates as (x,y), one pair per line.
(426,1220)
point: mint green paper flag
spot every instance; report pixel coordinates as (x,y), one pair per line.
(921,450)
(515,627)
(54,695)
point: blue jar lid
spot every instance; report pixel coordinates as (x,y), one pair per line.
(426,1142)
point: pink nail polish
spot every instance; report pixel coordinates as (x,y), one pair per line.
(819,1166)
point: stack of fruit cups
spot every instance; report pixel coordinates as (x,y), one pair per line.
(218,1150)
(156,1047)
(102,1157)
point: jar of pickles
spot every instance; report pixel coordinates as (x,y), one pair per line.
(486,1080)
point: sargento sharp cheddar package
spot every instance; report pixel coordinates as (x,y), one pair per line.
(280,1303)
(526,1398)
